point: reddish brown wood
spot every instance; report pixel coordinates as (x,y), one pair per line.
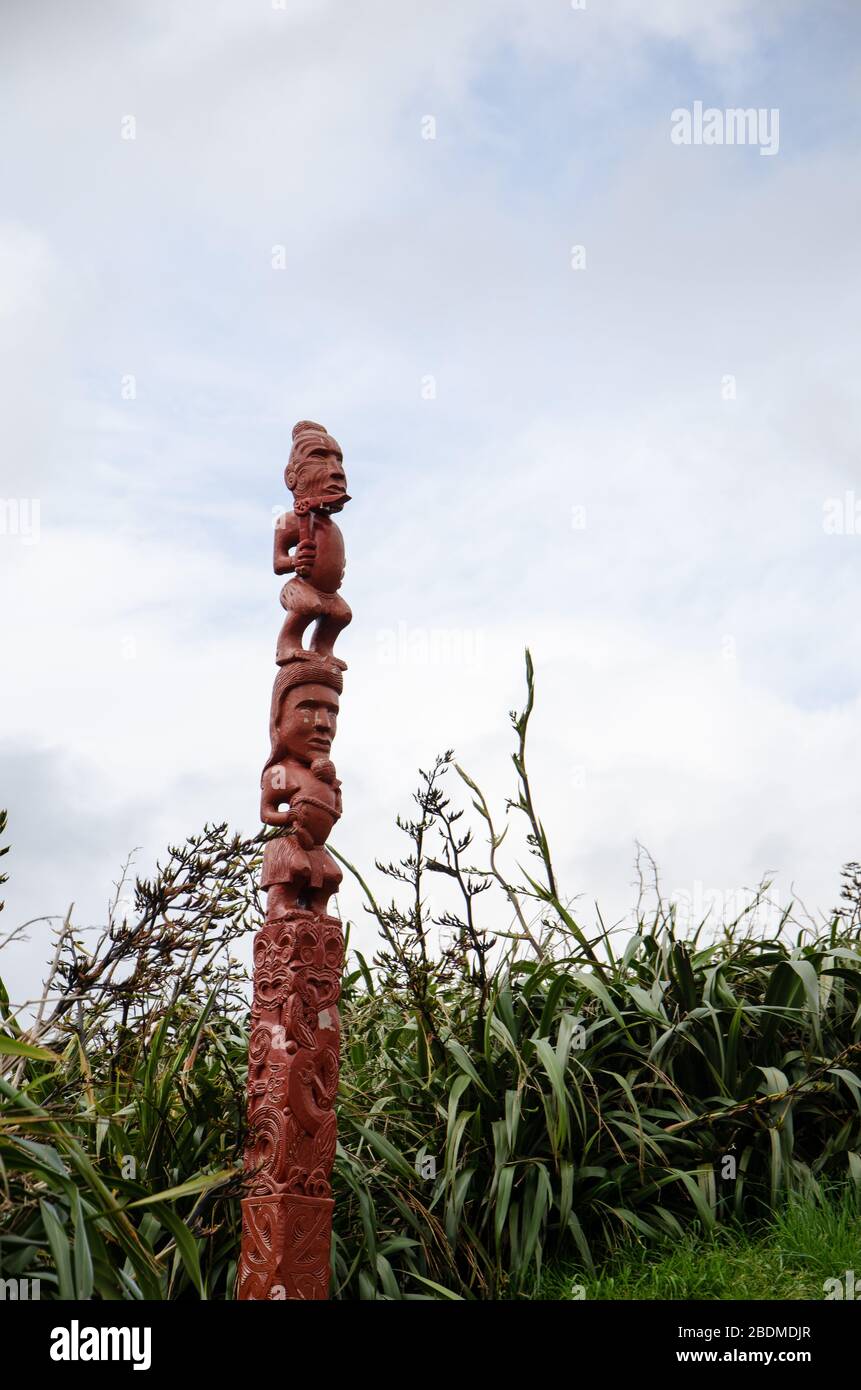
(293,1051)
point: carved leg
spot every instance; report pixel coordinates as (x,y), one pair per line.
(303,604)
(282,898)
(330,624)
(290,637)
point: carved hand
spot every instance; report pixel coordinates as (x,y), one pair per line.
(304,556)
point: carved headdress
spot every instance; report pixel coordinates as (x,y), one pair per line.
(307,435)
(310,670)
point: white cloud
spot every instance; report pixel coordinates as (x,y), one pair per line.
(697,676)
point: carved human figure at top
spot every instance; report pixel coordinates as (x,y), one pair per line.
(315,475)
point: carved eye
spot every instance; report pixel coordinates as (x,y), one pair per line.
(307,947)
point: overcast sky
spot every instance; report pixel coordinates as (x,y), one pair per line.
(639,457)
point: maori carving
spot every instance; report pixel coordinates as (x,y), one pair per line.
(315,476)
(293,1053)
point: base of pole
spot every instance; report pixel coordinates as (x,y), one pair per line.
(286,1243)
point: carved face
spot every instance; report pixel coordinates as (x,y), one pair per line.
(307,722)
(316,470)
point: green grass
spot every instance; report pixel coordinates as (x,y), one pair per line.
(791,1257)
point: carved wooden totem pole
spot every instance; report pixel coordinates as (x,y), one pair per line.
(298,953)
